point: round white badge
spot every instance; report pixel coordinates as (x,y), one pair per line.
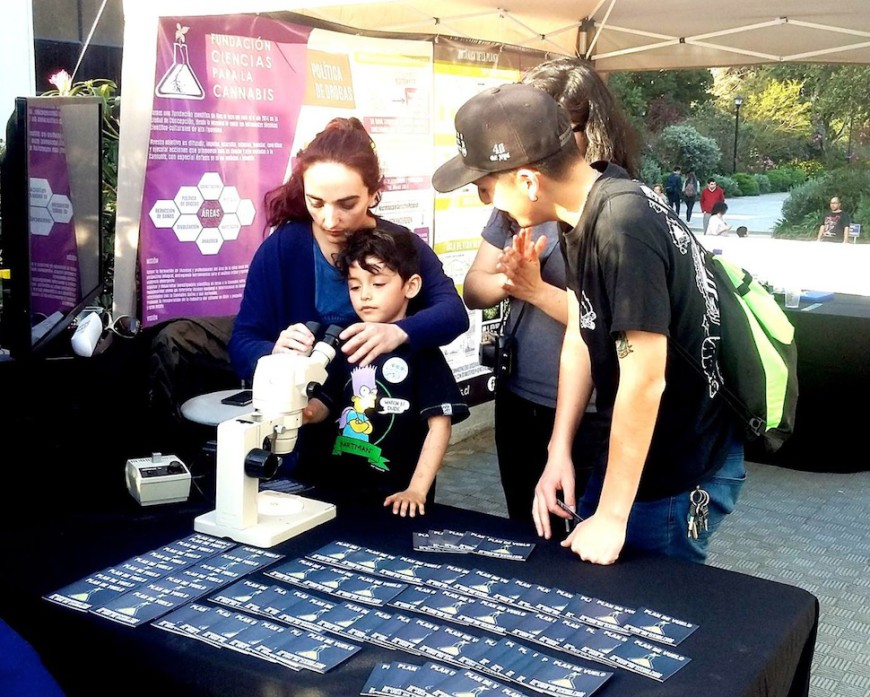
(395,370)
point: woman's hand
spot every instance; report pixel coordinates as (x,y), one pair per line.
(297,338)
(521,266)
(365,341)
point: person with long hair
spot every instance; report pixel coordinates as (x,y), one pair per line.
(335,182)
(672,467)
(528,269)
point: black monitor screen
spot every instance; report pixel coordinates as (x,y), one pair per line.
(52,208)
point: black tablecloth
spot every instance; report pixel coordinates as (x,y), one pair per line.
(755,637)
(833,338)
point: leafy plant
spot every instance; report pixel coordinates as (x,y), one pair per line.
(684,146)
(106,90)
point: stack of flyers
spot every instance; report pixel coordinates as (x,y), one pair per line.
(412,633)
(644,658)
(493,617)
(313,651)
(296,571)
(468,682)
(446,644)
(304,610)
(480,584)
(649,624)
(272,602)
(366,561)
(391,679)
(413,597)
(408,570)
(228,628)
(399,679)
(339,582)
(504,549)
(335,553)
(237,562)
(554,677)
(457,542)
(443,604)
(551,601)
(183,619)
(108,584)
(239,594)
(342,620)
(445,576)
(599,613)
(599,643)
(387,625)
(146,603)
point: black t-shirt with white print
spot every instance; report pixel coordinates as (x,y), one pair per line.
(633,266)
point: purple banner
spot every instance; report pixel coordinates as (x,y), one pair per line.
(227,98)
(54,267)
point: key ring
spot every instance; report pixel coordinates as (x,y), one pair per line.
(703,498)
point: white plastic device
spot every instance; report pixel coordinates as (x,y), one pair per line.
(87,335)
(158,479)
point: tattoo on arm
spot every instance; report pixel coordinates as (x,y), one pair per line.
(623,348)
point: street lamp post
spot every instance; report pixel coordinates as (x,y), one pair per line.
(738,102)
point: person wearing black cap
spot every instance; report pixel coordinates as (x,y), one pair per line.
(637,283)
(527,269)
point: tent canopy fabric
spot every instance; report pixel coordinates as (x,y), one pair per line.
(627,34)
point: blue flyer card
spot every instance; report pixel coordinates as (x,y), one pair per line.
(238,594)
(644,658)
(650,624)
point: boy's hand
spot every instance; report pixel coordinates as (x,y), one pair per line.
(314,412)
(407,503)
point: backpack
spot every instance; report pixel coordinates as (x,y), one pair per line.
(689,188)
(757,355)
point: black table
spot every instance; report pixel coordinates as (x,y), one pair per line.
(833,340)
(755,637)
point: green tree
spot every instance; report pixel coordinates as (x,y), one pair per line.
(684,146)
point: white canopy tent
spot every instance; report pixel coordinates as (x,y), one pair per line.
(615,35)
(630,34)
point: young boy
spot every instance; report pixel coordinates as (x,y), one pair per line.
(393,417)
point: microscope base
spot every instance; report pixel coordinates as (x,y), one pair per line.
(279,518)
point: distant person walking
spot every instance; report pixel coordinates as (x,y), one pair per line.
(690,193)
(836,225)
(710,196)
(674,189)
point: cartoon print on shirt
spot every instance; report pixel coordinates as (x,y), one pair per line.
(359,433)
(353,421)
(587,314)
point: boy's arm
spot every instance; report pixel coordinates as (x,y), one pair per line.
(411,500)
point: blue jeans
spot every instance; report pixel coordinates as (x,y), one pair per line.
(660,526)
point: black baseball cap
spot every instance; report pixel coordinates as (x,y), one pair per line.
(503,128)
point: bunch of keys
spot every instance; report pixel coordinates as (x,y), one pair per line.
(698,511)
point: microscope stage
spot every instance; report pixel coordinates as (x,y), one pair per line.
(279,517)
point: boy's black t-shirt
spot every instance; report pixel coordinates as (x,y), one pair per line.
(633,266)
(369,452)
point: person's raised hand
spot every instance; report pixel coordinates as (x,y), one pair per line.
(365,341)
(521,266)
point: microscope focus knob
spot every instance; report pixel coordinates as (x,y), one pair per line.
(262,464)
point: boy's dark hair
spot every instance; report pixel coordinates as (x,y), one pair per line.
(742,231)
(394,249)
(719,207)
(711,180)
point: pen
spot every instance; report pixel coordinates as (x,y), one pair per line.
(564,507)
